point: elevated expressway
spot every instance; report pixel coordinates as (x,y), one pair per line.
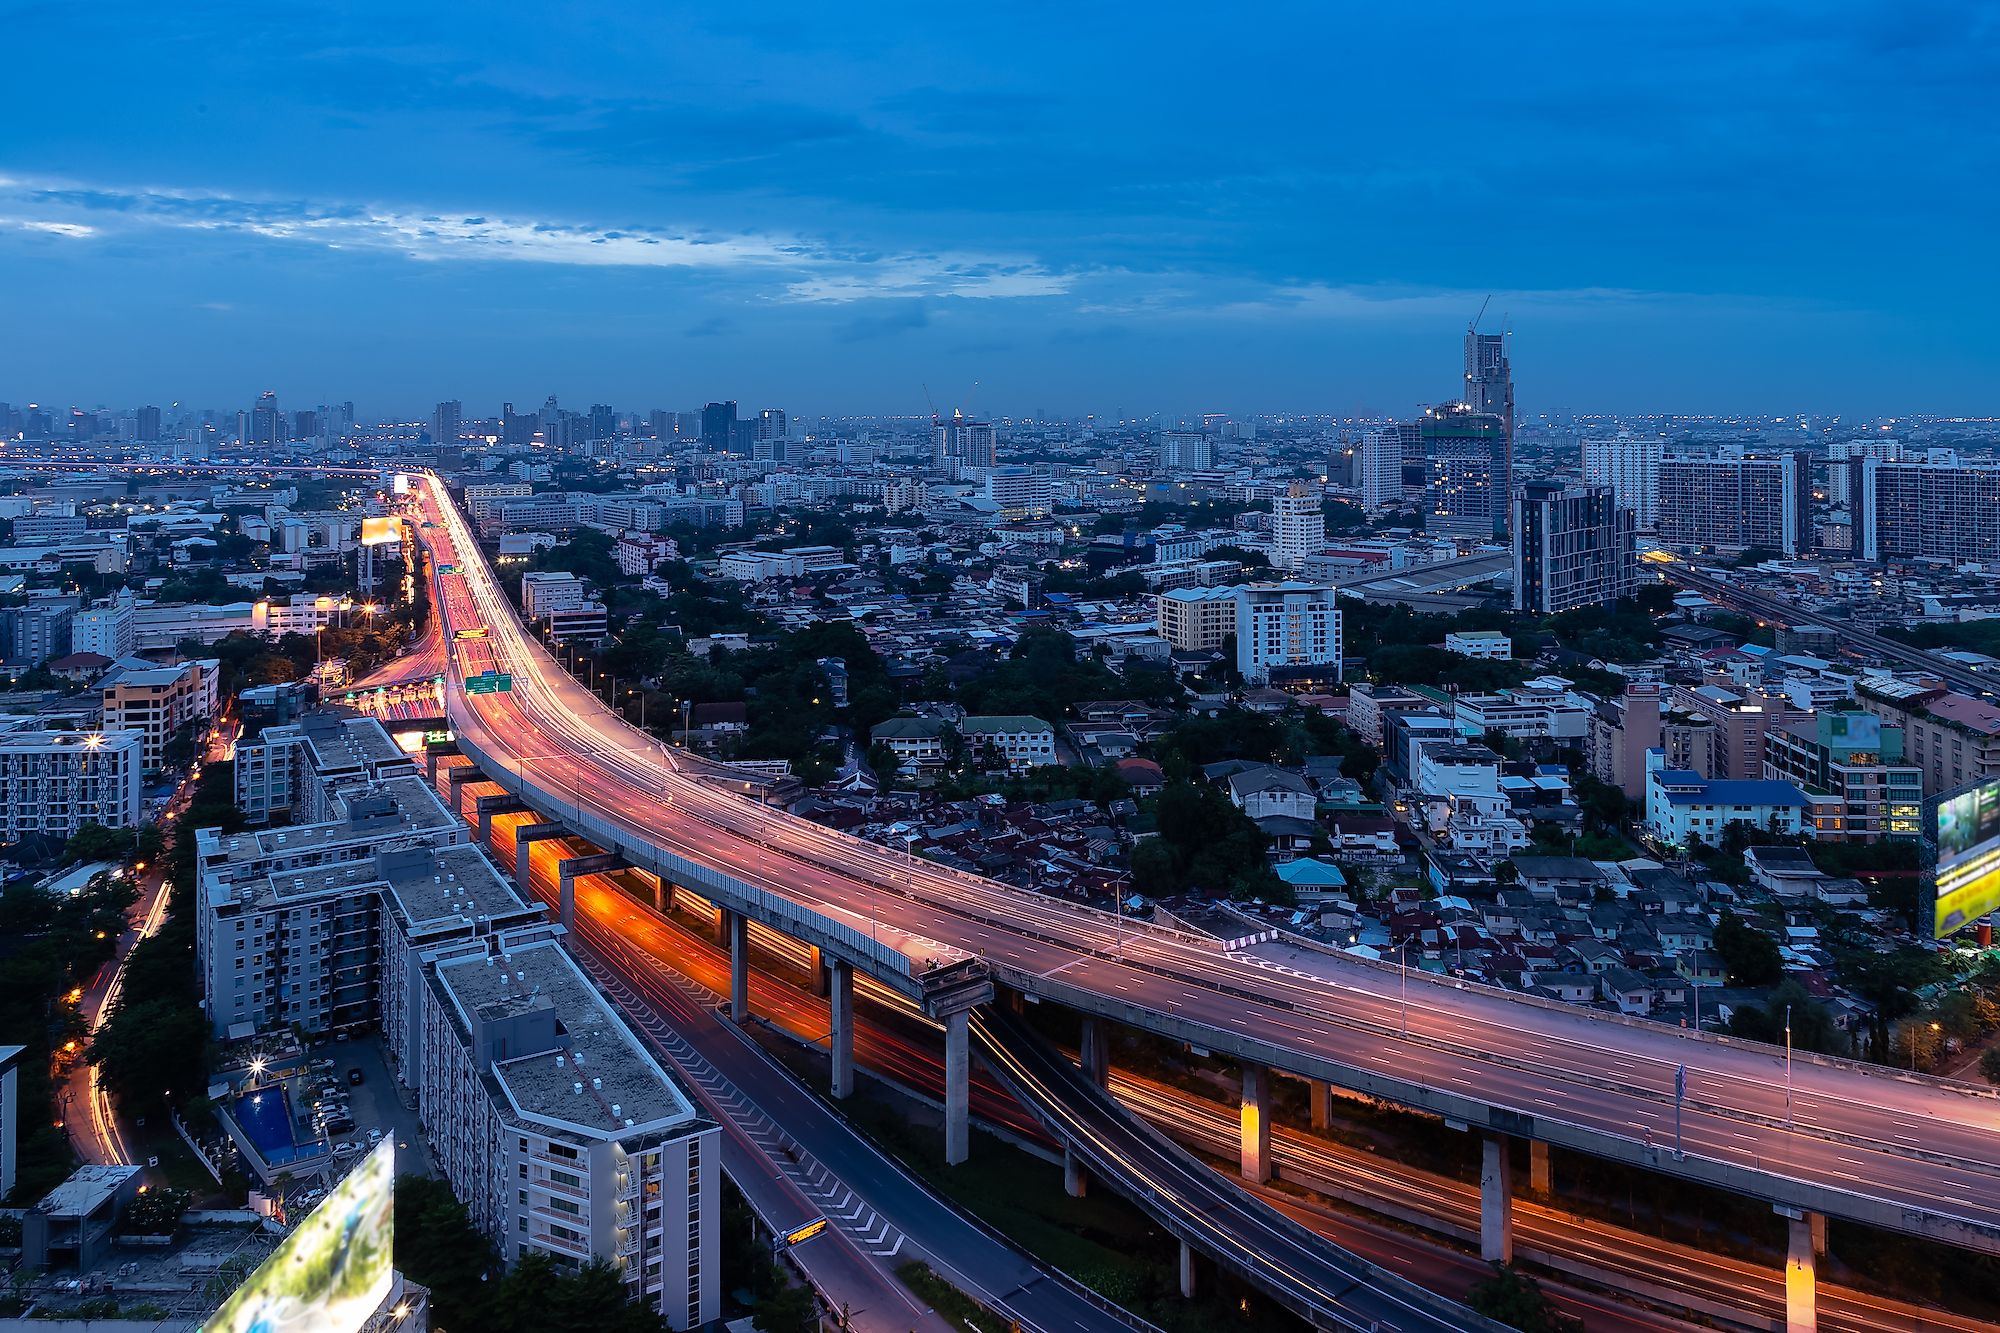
(1813,1137)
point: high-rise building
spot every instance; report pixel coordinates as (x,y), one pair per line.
(1378,470)
(264,428)
(1949,513)
(1185,451)
(146,425)
(1839,477)
(517,429)
(718,422)
(1489,388)
(1736,502)
(1020,492)
(660,424)
(603,422)
(447,422)
(1464,450)
(1573,546)
(1850,765)
(54,782)
(1286,629)
(968,443)
(1298,525)
(1195,620)
(1630,466)
(771,424)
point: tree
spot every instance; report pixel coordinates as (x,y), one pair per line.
(149,1050)
(1512,1297)
(1812,1025)
(94,842)
(1750,956)
(1989,1066)
(789,1309)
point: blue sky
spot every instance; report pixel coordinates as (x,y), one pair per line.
(1066,208)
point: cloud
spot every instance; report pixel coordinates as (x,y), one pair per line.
(791,268)
(715,326)
(896,320)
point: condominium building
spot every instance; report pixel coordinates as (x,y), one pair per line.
(545,591)
(54,782)
(157,702)
(1298,525)
(1185,451)
(1287,628)
(1948,513)
(959,441)
(1840,453)
(1196,620)
(1741,719)
(1573,546)
(30,635)
(290,770)
(1467,453)
(1020,493)
(1630,466)
(1625,730)
(1378,469)
(1737,503)
(1850,766)
(109,631)
(1953,739)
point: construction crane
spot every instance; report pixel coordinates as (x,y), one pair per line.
(1473,327)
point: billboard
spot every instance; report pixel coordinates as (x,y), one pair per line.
(1968,870)
(334,1270)
(384,530)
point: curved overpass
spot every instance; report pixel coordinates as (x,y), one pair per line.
(1911,1154)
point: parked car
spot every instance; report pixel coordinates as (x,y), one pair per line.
(354,1077)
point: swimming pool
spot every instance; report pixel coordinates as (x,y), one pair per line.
(267,1119)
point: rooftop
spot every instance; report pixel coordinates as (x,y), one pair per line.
(598,1080)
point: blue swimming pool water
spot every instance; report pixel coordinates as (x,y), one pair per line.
(268,1121)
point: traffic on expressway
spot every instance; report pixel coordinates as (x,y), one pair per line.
(1835,1137)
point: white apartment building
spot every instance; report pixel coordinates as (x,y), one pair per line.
(638,552)
(1379,469)
(547,590)
(54,782)
(1485,644)
(1020,493)
(1840,453)
(157,702)
(1024,742)
(293,768)
(1630,466)
(1286,625)
(109,631)
(561,1133)
(1185,451)
(1196,620)
(1298,525)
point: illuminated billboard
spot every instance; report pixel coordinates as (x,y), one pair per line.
(335,1268)
(383,531)
(1968,871)
(399,484)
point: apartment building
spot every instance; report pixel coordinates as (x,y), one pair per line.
(1290,629)
(1952,739)
(54,782)
(1681,805)
(1196,620)
(1736,503)
(1948,513)
(1024,742)
(546,591)
(1630,466)
(157,702)
(295,769)
(1573,546)
(1485,644)
(1298,525)
(1850,766)
(1740,718)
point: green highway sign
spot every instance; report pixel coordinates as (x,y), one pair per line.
(489,682)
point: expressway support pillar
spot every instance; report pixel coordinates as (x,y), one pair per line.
(1188,1287)
(663,894)
(568,871)
(1320,1094)
(736,930)
(433,752)
(455,781)
(1801,1282)
(957,1087)
(1540,1178)
(840,1036)
(1496,1202)
(818,971)
(1256,1118)
(1095,1055)
(525,837)
(485,807)
(1076,1180)
(1818,1221)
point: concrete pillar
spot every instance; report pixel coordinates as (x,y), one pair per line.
(840,1037)
(566,894)
(455,782)
(1095,1054)
(722,925)
(1256,1118)
(1076,1180)
(525,837)
(1818,1221)
(816,971)
(1496,1202)
(1801,1282)
(663,895)
(1540,1177)
(1188,1287)
(957,1088)
(736,932)
(1320,1094)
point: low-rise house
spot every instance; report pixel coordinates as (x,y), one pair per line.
(1563,878)
(1628,991)
(1263,791)
(917,742)
(1023,742)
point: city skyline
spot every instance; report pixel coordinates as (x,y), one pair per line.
(1676,213)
